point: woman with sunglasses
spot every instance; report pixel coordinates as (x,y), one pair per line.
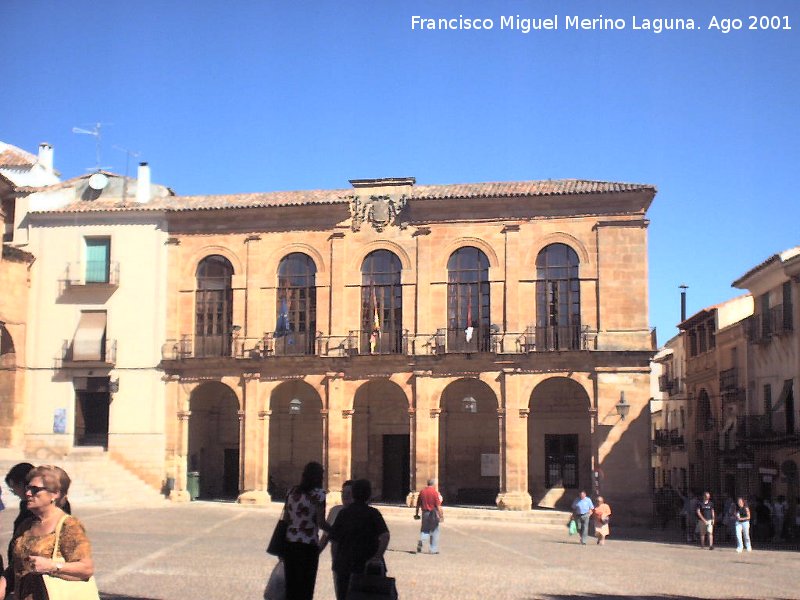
(45,497)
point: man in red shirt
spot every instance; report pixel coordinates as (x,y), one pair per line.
(429,502)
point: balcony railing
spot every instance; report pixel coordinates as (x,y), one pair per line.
(108,353)
(675,437)
(93,273)
(762,427)
(777,321)
(552,338)
(668,437)
(358,342)
(729,379)
(666,384)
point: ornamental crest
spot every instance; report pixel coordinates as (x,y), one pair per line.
(381,211)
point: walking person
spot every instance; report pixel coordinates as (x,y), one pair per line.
(305,513)
(34,544)
(705,521)
(429,502)
(742,525)
(359,537)
(347,500)
(582,509)
(601,515)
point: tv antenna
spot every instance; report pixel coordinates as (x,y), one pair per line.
(128,154)
(98,139)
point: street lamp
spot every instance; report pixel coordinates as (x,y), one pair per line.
(622,406)
(295,406)
(470,404)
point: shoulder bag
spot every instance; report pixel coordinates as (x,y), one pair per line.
(277,543)
(61,589)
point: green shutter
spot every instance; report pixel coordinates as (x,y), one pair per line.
(98,252)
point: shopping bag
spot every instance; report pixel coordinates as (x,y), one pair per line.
(572,527)
(276,586)
(371,586)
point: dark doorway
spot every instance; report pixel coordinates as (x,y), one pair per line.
(92,401)
(789,409)
(396,467)
(561,461)
(230,473)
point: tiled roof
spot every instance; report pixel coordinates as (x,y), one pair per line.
(11,156)
(783,257)
(508,189)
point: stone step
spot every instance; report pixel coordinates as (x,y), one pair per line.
(96,479)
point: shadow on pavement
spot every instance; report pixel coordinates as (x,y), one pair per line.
(622,596)
(105,596)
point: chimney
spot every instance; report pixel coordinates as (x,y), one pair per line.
(683,287)
(143,184)
(46,156)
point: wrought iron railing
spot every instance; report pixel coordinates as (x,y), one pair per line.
(360,342)
(729,379)
(93,273)
(107,354)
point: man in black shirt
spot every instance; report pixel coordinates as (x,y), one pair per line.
(359,536)
(705,521)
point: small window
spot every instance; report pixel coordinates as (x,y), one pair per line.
(98,254)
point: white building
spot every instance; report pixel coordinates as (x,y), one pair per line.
(99,277)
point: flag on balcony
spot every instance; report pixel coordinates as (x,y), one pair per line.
(282,328)
(376,325)
(470,329)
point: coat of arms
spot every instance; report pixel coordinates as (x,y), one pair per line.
(378,210)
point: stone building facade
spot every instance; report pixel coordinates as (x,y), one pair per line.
(483,334)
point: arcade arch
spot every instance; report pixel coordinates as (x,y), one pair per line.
(214,439)
(469,443)
(295,434)
(381,440)
(559,442)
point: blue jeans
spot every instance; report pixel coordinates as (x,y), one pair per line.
(742,531)
(584,523)
(433,536)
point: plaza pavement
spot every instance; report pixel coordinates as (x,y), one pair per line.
(215,551)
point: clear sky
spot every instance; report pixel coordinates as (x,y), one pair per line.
(246,96)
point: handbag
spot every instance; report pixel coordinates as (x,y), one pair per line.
(371,585)
(61,589)
(572,527)
(277,543)
(276,586)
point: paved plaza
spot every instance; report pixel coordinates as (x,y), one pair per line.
(215,551)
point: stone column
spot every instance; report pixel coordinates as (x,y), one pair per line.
(411,498)
(179,493)
(426,429)
(513,446)
(339,424)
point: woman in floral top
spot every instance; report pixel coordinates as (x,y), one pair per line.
(305,512)
(45,494)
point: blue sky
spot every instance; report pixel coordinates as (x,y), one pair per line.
(259,96)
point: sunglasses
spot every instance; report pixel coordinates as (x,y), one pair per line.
(35,489)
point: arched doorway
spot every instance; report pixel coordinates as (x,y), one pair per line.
(381,441)
(559,443)
(295,434)
(214,440)
(469,443)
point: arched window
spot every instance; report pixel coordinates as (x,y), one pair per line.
(296,324)
(214,307)
(558,299)
(381,304)
(468,306)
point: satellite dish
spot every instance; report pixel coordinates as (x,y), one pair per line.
(98,181)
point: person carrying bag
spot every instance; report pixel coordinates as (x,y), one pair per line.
(372,584)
